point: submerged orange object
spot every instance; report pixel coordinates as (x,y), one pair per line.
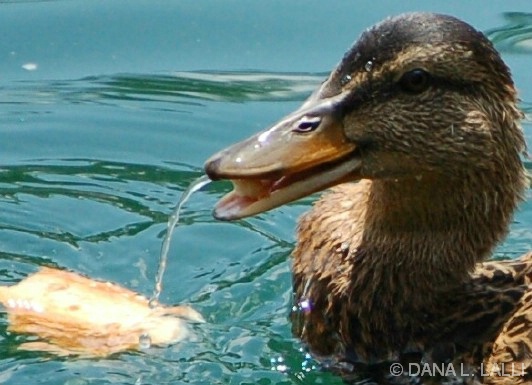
(75,315)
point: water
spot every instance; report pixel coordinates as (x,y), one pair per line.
(172,223)
(101,138)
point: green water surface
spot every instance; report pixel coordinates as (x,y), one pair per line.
(108,110)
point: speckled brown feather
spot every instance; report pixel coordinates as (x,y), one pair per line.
(483,319)
(392,268)
(511,353)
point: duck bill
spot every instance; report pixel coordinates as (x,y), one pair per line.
(305,152)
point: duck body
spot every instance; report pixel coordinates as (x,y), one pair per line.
(361,310)
(417,132)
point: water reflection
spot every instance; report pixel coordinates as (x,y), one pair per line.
(117,211)
(110,183)
(186,88)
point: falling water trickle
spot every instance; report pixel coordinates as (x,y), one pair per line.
(172,223)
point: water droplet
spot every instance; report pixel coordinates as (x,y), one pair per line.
(144,341)
(30,66)
(344,246)
(308,363)
(304,305)
(278,364)
(153,303)
(368,66)
(345,79)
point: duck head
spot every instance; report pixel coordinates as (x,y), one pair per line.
(417,95)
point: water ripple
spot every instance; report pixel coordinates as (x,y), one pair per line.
(516,35)
(185,88)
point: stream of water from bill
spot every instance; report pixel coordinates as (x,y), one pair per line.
(173,221)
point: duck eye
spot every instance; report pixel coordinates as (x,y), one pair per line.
(307,124)
(415,81)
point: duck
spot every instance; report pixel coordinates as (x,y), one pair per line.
(416,137)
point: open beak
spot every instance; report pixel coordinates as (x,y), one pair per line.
(305,152)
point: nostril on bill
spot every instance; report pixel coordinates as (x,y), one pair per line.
(212,167)
(307,124)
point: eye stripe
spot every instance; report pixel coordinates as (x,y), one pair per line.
(373,90)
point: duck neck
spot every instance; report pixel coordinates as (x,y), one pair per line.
(428,233)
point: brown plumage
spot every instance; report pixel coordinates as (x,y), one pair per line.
(422,110)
